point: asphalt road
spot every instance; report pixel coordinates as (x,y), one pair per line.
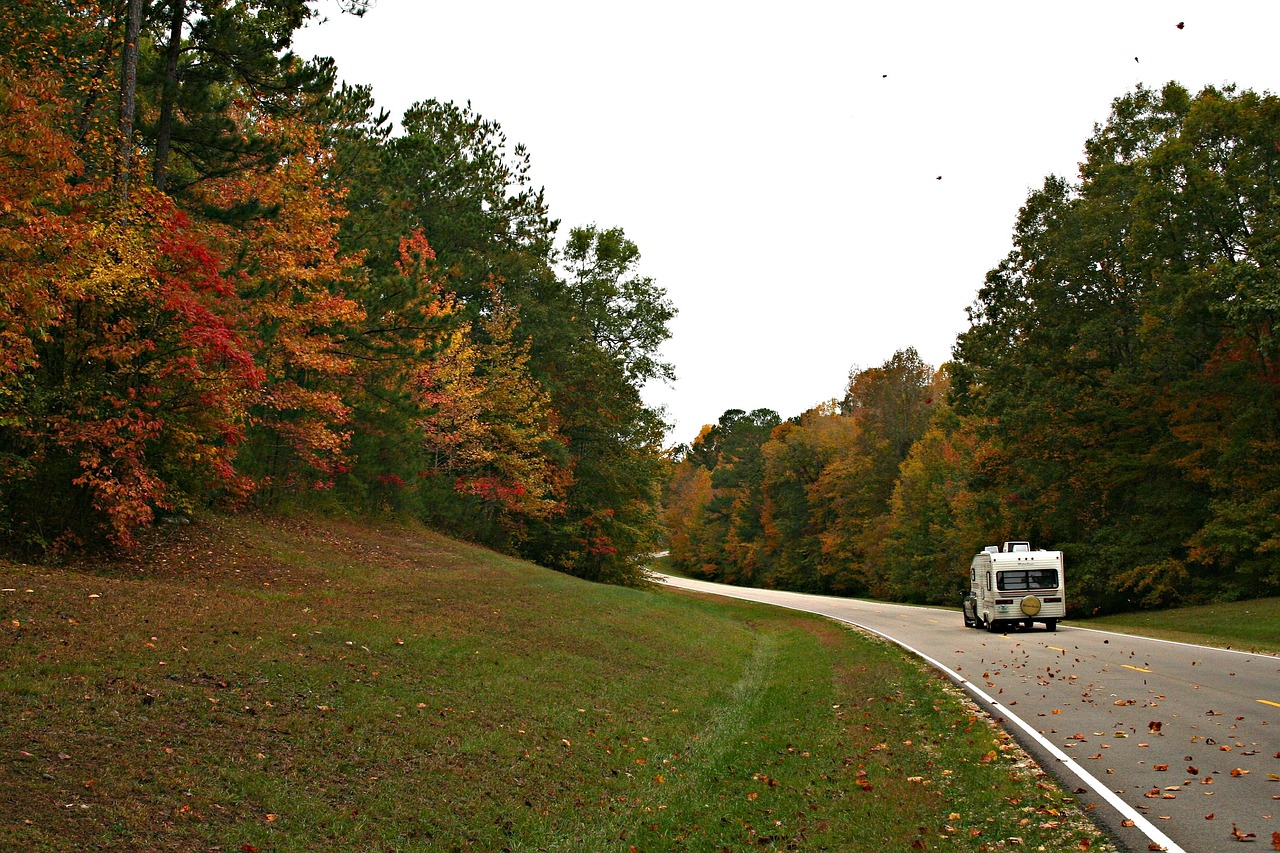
(1176,747)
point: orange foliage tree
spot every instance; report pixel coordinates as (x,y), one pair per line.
(488,426)
(122,367)
(283,258)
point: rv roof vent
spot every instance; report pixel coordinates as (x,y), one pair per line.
(1010,547)
(992,549)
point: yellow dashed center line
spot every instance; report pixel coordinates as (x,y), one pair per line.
(1136,668)
(1055,648)
(1265,702)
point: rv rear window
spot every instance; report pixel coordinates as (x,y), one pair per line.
(1024,579)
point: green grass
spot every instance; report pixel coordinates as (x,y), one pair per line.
(300,685)
(1246,625)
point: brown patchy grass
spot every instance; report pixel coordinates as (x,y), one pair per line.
(309,684)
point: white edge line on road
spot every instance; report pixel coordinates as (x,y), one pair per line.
(1074,627)
(1139,821)
(1176,643)
(923,608)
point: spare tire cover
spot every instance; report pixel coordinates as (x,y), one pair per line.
(1031,605)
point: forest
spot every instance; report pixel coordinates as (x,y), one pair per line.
(231,281)
(228,283)
(1114,397)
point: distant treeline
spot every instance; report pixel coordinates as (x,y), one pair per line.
(1115,397)
(223,280)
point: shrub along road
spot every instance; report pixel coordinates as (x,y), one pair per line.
(1173,745)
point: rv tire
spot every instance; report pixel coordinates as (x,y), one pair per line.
(1051,624)
(993,626)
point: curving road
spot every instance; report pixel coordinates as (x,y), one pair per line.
(1175,747)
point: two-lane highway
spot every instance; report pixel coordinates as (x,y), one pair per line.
(1173,745)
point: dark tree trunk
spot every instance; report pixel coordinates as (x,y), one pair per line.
(128,93)
(169,95)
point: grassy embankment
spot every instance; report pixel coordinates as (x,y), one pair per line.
(1245,625)
(321,685)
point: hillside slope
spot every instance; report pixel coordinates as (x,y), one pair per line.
(299,684)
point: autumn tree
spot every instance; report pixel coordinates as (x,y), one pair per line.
(892,405)
(124,369)
(489,434)
(686,496)
(729,545)
(936,521)
(795,511)
(291,276)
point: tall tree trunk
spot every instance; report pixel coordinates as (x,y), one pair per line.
(169,94)
(128,94)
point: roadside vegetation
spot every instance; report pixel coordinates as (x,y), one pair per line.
(296,685)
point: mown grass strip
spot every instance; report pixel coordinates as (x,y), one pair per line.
(303,686)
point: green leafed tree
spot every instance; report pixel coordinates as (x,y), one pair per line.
(595,332)
(1121,358)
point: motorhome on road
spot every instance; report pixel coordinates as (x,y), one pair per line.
(1011,584)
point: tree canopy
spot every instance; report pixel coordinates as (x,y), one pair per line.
(227,282)
(1114,395)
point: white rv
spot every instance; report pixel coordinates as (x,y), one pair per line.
(1014,585)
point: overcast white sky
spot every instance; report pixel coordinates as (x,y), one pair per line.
(777,163)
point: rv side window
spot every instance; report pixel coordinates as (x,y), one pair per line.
(988,580)
(1028,579)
